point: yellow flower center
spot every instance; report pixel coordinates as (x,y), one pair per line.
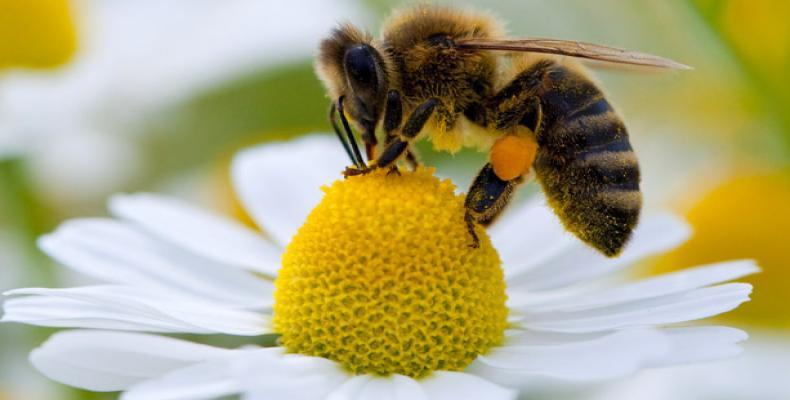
(381,279)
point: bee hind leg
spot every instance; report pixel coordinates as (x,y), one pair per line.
(470,226)
(486,199)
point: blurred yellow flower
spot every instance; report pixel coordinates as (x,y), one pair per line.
(746,217)
(36,34)
(759,31)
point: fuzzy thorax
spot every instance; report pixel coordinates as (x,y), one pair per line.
(381,279)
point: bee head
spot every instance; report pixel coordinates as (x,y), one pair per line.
(351,66)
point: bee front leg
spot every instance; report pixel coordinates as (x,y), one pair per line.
(411,155)
(486,199)
(393,114)
(411,158)
(397,146)
(393,117)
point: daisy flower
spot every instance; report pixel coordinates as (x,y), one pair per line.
(370,289)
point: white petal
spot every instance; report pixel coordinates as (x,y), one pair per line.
(110,361)
(701,344)
(117,252)
(369,387)
(267,374)
(279,183)
(209,235)
(589,358)
(579,263)
(673,308)
(532,360)
(258,373)
(446,385)
(65,313)
(207,380)
(528,235)
(119,307)
(671,283)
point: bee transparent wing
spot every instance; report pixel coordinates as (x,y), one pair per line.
(594,52)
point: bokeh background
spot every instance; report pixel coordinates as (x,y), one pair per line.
(105,96)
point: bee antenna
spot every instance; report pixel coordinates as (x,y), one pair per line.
(350,134)
(332,111)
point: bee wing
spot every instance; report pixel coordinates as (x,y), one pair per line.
(595,52)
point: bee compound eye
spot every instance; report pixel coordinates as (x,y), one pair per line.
(361,69)
(363,72)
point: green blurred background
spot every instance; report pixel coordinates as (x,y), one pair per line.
(104,96)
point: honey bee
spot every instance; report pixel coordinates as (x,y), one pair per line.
(452,76)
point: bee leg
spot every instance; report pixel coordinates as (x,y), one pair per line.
(413,126)
(486,199)
(411,155)
(521,110)
(393,118)
(370,140)
(533,117)
(393,114)
(391,153)
(470,226)
(516,104)
(411,158)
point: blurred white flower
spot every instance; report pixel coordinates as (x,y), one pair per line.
(171,268)
(76,123)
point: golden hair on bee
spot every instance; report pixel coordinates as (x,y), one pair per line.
(421,41)
(452,76)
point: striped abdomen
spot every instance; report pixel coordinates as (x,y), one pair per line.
(585,162)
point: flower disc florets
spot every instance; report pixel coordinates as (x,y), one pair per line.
(381,279)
